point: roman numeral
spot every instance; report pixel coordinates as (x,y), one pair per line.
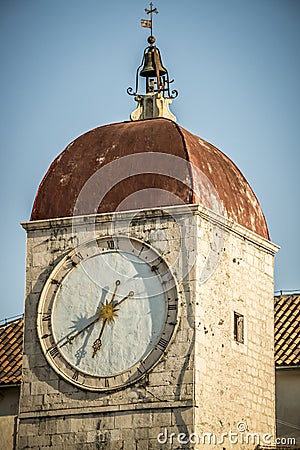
(75,260)
(106,383)
(110,244)
(172,307)
(46,336)
(46,318)
(75,375)
(53,351)
(163,343)
(141,369)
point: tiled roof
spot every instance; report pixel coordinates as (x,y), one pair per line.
(287,340)
(287,330)
(11,349)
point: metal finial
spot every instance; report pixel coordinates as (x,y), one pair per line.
(148,23)
(155,102)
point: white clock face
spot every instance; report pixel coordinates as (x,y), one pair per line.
(107,313)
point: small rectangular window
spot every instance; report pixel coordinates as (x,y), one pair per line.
(239,327)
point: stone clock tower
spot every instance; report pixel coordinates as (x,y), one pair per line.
(149,292)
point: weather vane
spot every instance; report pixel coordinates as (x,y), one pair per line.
(148,23)
(158,96)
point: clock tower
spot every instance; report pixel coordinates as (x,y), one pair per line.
(149,291)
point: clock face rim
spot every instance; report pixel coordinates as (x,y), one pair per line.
(54,357)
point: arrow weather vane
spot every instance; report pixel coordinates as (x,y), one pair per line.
(148,23)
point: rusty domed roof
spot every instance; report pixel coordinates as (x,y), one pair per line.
(147,163)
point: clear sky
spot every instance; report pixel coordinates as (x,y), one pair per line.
(65,68)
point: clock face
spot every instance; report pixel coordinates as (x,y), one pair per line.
(107,313)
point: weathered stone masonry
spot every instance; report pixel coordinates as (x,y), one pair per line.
(206,381)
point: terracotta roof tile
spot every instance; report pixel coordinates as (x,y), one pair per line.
(11,348)
(287,330)
(287,340)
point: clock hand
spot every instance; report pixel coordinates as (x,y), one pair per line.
(108,312)
(69,340)
(118,282)
(97,344)
(106,318)
(130,294)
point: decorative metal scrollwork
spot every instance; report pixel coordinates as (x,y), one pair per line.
(174,94)
(130,91)
(156,75)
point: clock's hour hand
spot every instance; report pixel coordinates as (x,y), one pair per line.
(106,313)
(97,344)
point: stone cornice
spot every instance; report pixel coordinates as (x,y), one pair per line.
(222,222)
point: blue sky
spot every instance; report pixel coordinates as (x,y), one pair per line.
(65,69)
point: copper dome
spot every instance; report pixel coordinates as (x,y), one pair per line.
(174,167)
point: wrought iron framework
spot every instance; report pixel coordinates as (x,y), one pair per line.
(162,84)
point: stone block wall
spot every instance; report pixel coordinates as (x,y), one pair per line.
(235,381)
(194,386)
(9,406)
(56,414)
